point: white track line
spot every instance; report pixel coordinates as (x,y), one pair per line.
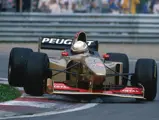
(29,104)
(87,106)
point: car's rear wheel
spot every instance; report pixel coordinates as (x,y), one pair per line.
(16,66)
(36,74)
(120,57)
(146,75)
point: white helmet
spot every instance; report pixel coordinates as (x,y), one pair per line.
(79,47)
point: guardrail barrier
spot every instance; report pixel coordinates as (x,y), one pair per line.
(102,27)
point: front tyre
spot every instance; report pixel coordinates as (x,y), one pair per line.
(146,75)
(36,74)
(16,66)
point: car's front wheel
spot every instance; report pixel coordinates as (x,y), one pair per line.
(146,75)
(16,66)
(36,74)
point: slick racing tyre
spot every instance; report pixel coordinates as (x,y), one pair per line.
(16,66)
(36,74)
(146,75)
(120,57)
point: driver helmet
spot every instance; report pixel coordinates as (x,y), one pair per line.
(79,47)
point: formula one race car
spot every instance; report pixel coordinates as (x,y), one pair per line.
(80,70)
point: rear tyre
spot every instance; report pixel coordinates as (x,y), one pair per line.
(36,74)
(120,57)
(16,66)
(146,75)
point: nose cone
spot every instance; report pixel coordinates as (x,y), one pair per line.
(96,66)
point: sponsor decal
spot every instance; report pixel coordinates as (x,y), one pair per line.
(94,62)
(57,41)
(60,86)
(89,42)
(129,91)
(61,41)
(100,64)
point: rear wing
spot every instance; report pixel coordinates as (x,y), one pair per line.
(55,43)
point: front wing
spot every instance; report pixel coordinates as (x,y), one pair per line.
(128,92)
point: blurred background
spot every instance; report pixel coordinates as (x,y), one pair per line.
(81,6)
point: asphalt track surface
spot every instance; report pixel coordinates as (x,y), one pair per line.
(111,108)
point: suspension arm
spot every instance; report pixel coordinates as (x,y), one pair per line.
(65,70)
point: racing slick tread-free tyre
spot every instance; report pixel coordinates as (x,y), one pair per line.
(36,74)
(120,57)
(16,66)
(146,75)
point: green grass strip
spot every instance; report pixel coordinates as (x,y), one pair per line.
(8,93)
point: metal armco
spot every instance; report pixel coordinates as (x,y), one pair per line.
(109,28)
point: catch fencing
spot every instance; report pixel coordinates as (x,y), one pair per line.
(108,28)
